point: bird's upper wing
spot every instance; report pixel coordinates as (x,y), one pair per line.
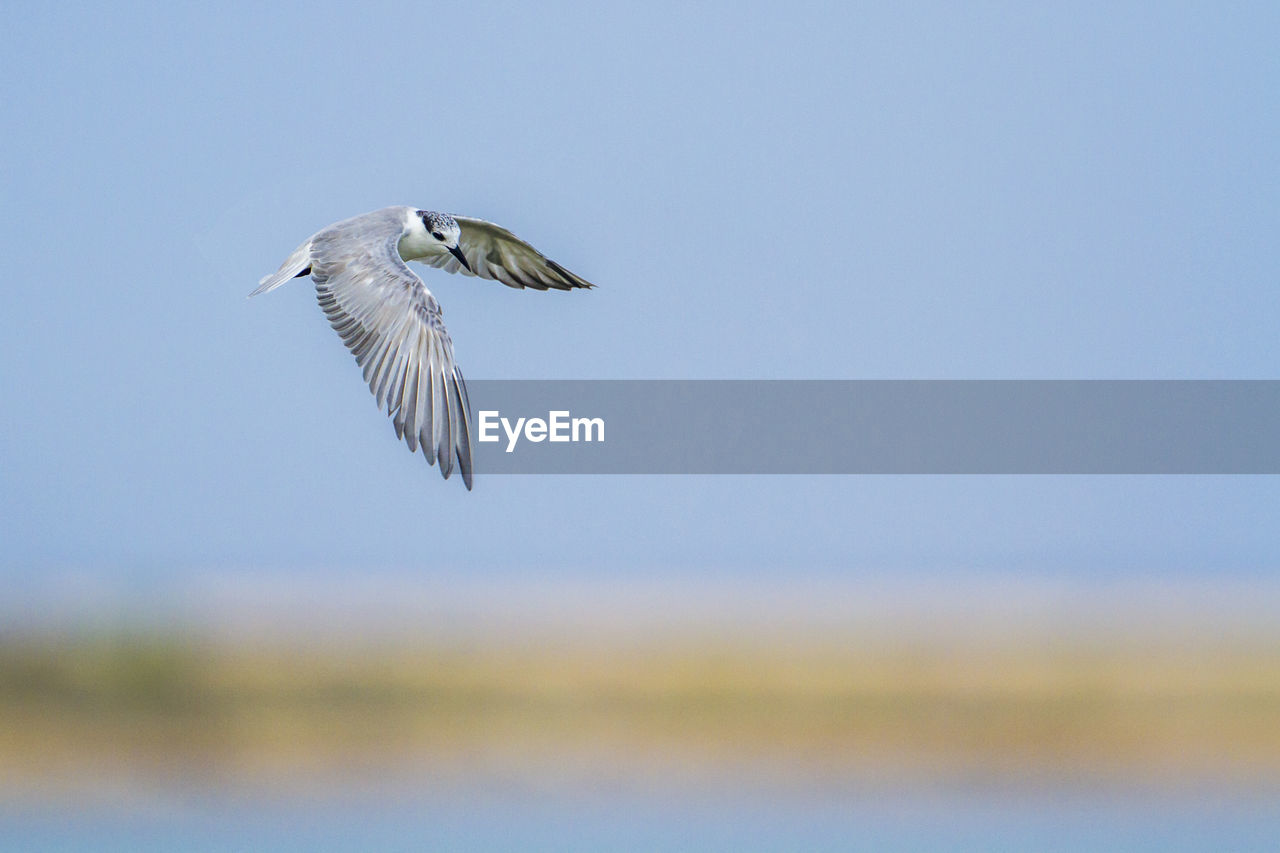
(392,324)
(494,252)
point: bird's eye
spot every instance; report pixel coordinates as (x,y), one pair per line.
(437,235)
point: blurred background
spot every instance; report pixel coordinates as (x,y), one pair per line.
(235,614)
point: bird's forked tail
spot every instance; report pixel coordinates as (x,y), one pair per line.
(297,264)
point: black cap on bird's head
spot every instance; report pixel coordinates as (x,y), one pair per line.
(444,228)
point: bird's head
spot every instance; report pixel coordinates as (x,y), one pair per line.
(443,229)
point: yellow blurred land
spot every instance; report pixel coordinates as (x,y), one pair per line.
(808,709)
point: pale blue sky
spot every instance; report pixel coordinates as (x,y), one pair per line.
(772,191)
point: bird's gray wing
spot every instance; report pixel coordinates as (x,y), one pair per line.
(392,324)
(494,252)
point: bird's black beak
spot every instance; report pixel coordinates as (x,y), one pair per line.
(456,251)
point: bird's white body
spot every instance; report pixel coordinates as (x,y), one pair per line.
(417,242)
(392,323)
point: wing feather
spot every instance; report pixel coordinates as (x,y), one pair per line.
(495,253)
(393,326)
(406,416)
(462,441)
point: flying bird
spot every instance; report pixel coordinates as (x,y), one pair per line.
(391,322)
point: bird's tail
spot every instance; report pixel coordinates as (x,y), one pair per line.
(299,263)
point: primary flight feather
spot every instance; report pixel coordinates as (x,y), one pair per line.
(391,322)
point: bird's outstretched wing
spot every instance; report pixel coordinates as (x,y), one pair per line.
(392,324)
(494,252)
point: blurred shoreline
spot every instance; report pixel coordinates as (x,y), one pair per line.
(313,606)
(289,682)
